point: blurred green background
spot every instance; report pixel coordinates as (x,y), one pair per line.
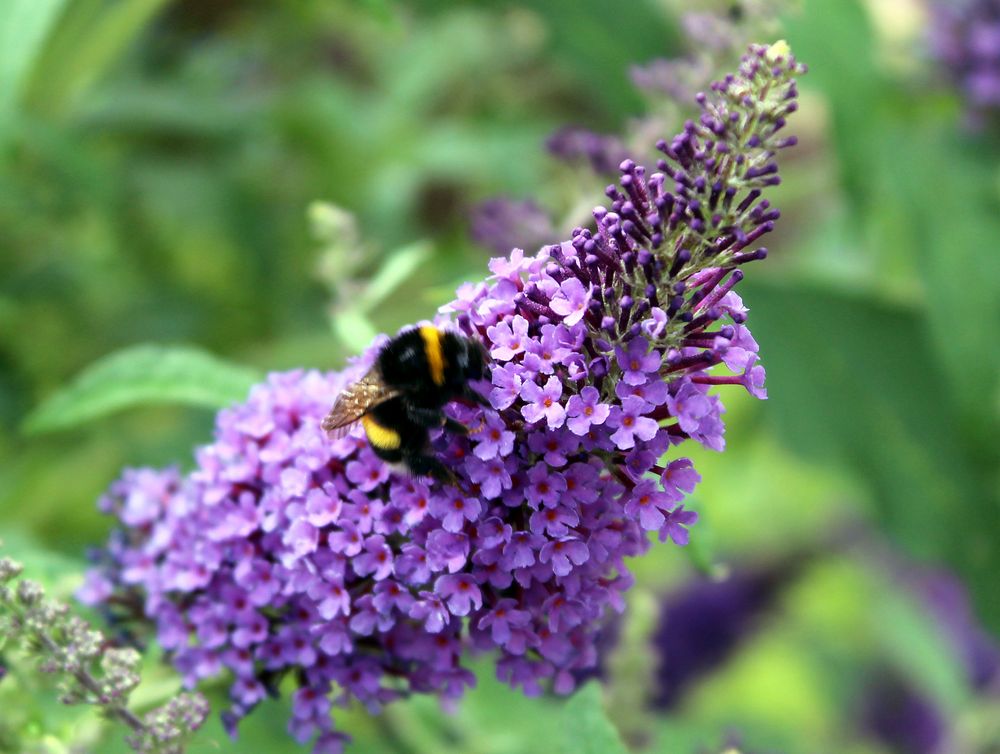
(159,165)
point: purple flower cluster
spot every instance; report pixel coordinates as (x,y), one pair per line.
(287,551)
(602,152)
(703,624)
(713,34)
(965,38)
(502,224)
(901,716)
(894,708)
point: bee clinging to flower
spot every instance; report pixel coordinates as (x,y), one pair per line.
(402,397)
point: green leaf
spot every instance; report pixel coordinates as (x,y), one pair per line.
(394,270)
(24,27)
(921,193)
(854,380)
(837,42)
(143,375)
(920,646)
(942,184)
(586,727)
(59,574)
(701,551)
(92,37)
(354,330)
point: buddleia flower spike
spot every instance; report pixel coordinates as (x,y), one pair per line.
(286,552)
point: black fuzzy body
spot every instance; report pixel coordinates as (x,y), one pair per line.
(407,367)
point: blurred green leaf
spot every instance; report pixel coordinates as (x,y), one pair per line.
(354,329)
(837,42)
(393,271)
(866,113)
(24,26)
(382,10)
(942,185)
(92,36)
(586,727)
(54,570)
(701,550)
(919,647)
(855,381)
(922,195)
(145,374)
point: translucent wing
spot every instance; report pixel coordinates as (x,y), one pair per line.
(357,400)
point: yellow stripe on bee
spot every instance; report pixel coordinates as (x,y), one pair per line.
(435,357)
(379,436)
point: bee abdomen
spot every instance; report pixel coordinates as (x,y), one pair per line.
(380,436)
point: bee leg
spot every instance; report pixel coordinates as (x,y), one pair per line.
(477,398)
(456,427)
(424,465)
(425,417)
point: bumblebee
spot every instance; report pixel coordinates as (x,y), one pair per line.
(402,397)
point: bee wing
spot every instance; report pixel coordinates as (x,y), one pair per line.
(355,401)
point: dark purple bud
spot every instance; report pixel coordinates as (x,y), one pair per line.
(554,270)
(651,295)
(750,256)
(748,238)
(705,622)
(628,261)
(706,287)
(750,198)
(901,716)
(681,258)
(598,367)
(636,231)
(537,309)
(756,172)
(704,320)
(504,224)
(722,290)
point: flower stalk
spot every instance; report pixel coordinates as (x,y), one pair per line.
(90,670)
